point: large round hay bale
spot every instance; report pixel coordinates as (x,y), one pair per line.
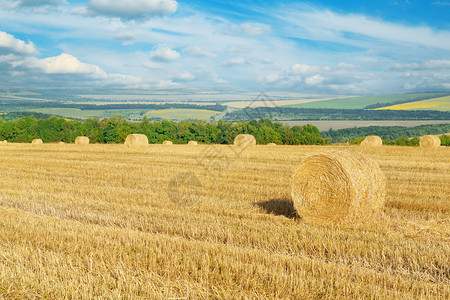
(61,143)
(82,140)
(192,143)
(5,142)
(244,140)
(430,141)
(167,143)
(37,142)
(339,186)
(136,140)
(271,144)
(372,141)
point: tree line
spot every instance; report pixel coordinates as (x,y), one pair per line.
(315,114)
(389,134)
(116,129)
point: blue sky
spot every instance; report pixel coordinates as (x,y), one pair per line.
(317,47)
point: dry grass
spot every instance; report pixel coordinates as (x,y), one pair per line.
(97,222)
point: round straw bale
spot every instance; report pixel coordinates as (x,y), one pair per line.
(244,140)
(192,143)
(5,142)
(372,141)
(430,141)
(61,143)
(271,144)
(37,142)
(82,140)
(136,140)
(167,143)
(339,186)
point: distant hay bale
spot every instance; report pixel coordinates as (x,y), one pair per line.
(5,142)
(37,142)
(244,140)
(81,140)
(339,186)
(372,141)
(61,143)
(167,143)
(271,144)
(192,143)
(136,140)
(430,141)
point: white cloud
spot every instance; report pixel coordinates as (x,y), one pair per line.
(164,53)
(426,65)
(9,44)
(129,9)
(184,76)
(40,2)
(18,63)
(33,3)
(168,84)
(198,51)
(272,78)
(127,37)
(441,3)
(326,25)
(300,69)
(315,79)
(68,64)
(234,62)
(151,65)
(254,29)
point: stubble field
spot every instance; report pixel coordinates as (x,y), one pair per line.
(197,222)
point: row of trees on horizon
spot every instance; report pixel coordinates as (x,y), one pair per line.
(116,129)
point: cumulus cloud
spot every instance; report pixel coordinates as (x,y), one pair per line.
(9,44)
(198,51)
(129,9)
(68,64)
(272,78)
(300,69)
(126,37)
(18,63)
(184,76)
(339,78)
(234,62)
(315,79)
(168,84)
(164,53)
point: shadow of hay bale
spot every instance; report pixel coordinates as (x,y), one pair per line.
(279,207)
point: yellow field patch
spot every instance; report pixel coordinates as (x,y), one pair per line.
(442,104)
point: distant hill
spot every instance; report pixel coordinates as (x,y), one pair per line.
(369,102)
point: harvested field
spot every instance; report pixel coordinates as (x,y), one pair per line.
(98,222)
